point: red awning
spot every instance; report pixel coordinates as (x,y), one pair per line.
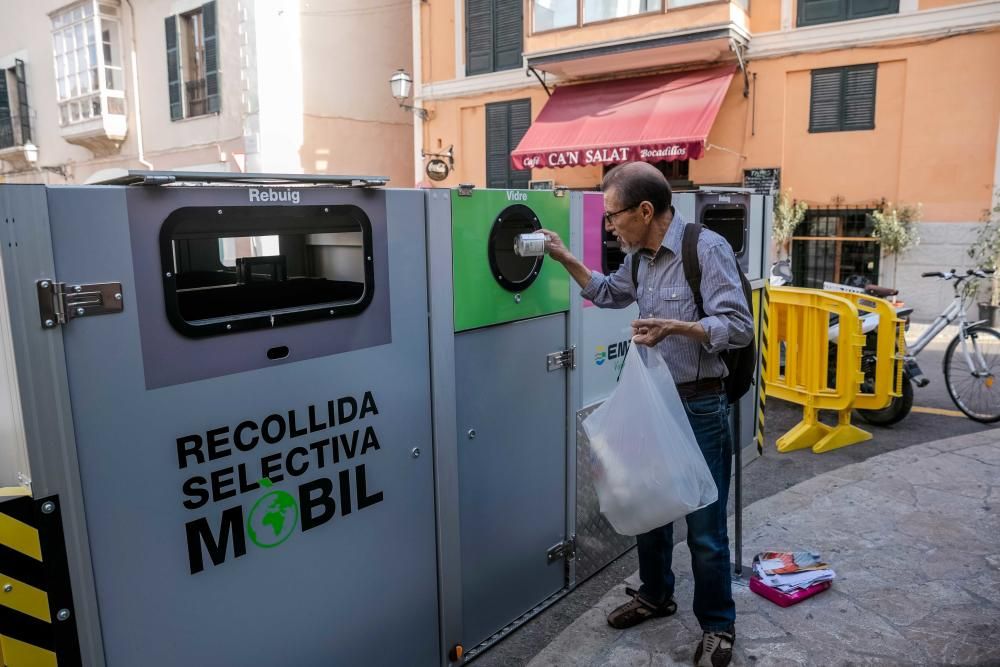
(651,118)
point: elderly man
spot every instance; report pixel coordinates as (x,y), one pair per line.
(638,210)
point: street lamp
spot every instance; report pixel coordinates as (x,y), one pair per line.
(401,85)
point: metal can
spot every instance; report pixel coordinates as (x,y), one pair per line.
(530,245)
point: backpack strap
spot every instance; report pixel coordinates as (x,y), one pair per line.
(692,266)
(635,271)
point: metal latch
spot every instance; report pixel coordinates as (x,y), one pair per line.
(562,550)
(561,359)
(465,189)
(58,303)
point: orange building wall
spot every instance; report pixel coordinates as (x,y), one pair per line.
(722,162)
(462,122)
(934,138)
(930,144)
(765,16)
(931,4)
(437,43)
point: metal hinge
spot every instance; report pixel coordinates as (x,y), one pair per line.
(562,550)
(561,359)
(58,303)
(465,189)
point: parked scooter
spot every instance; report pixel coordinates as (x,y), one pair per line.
(900,406)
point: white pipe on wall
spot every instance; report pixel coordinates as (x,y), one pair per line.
(135,88)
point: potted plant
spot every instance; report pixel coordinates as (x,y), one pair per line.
(985,254)
(788,213)
(896,231)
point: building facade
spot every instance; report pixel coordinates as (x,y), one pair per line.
(94,87)
(851,105)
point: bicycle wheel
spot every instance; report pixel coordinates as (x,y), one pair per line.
(978,397)
(893,413)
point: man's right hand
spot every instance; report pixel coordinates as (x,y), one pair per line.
(555,247)
(558,251)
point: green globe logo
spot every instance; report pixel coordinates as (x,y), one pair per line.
(273,517)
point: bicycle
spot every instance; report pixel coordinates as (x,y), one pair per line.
(971,376)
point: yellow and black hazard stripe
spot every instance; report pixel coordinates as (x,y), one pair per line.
(37,619)
(761,393)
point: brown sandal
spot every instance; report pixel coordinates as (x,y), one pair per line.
(638,610)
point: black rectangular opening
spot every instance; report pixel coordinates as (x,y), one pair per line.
(612,256)
(238,268)
(728,221)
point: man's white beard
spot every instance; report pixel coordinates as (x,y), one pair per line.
(626,248)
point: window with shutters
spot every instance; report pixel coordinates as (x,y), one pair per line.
(193,63)
(506,124)
(814,12)
(88,64)
(842,99)
(15,125)
(494,33)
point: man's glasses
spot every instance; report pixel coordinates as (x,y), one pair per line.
(608,216)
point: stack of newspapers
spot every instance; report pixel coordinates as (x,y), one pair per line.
(790,571)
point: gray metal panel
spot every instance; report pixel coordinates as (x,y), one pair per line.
(158,178)
(767,204)
(14,468)
(597,543)
(756,240)
(45,399)
(513,473)
(684,203)
(574,388)
(439,263)
(329,595)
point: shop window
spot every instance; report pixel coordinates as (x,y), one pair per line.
(506,125)
(602,10)
(264,266)
(843,99)
(494,35)
(552,14)
(813,12)
(675,171)
(193,62)
(835,245)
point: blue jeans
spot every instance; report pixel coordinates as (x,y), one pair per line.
(707,536)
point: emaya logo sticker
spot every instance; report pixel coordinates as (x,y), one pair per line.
(612,352)
(258,195)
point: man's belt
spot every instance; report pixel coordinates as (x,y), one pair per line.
(699,388)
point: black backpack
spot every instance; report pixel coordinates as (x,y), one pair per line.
(740,361)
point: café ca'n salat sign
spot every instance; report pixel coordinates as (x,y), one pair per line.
(608,155)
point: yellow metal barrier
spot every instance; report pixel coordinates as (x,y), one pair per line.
(798,324)
(890,347)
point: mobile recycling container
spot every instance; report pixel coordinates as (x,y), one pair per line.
(217,431)
(500,360)
(301,419)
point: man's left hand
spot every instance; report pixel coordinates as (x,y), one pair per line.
(651,331)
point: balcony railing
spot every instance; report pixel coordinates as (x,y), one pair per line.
(196,97)
(14,132)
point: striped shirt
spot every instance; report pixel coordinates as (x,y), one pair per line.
(664,293)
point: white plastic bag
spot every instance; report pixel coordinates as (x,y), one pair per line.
(650,469)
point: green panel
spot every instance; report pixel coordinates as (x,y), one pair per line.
(479,299)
